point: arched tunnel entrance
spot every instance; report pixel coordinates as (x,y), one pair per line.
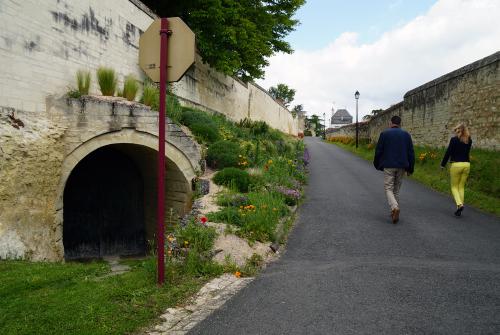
(110,202)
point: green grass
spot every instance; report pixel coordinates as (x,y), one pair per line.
(483,186)
(53,298)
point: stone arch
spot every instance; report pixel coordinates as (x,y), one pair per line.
(140,147)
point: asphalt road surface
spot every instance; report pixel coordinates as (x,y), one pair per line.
(348,270)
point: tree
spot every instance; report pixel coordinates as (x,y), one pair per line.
(298,109)
(235,36)
(283,92)
(314,123)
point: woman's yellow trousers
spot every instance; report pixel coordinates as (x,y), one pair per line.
(459,172)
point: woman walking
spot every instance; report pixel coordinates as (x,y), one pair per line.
(458,154)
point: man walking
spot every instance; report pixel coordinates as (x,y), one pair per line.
(394,155)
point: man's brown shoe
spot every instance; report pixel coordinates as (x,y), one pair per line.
(395,215)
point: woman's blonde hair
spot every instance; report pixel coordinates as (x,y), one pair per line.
(462,132)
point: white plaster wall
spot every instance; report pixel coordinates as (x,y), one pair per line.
(44,42)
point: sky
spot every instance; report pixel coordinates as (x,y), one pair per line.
(381,48)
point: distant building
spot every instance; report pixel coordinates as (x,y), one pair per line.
(340,118)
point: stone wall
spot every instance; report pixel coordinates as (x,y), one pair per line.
(44,43)
(350,131)
(38,152)
(206,89)
(42,46)
(430,112)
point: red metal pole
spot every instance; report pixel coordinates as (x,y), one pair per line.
(161,152)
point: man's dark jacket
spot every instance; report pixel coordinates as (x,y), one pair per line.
(394,150)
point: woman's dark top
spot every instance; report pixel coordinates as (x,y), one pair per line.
(457,151)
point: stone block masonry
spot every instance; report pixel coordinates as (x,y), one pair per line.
(44,43)
(37,158)
(430,112)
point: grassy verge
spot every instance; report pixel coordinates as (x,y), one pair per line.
(483,186)
(73,298)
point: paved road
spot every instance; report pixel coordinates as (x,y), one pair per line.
(348,270)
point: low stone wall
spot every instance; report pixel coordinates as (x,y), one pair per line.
(431,111)
(350,131)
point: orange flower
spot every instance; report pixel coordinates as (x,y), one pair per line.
(237,274)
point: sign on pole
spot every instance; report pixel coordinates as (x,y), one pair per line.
(181,50)
(166,51)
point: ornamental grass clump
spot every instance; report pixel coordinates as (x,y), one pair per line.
(106,77)
(83,82)
(130,88)
(150,95)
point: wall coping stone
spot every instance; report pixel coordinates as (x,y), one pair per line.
(457,73)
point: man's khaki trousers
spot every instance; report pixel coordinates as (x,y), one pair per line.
(392,183)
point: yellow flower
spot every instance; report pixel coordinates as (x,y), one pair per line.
(270,161)
(186,243)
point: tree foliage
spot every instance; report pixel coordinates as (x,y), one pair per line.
(297,110)
(283,92)
(235,36)
(314,123)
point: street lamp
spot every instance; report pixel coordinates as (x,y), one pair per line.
(324,127)
(356,95)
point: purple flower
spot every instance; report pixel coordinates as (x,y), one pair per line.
(306,157)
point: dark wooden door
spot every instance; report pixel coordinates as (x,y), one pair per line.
(104,207)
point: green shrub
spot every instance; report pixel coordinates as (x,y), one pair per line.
(130,88)
(83,82)
(200,240)
(233,177)
(257,128)
(205,133)
(229,215)
(191,116)
(106,77)
(223,154)
(73,93)
(199,237)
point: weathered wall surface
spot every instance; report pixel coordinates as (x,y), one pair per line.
(206,89)
(44,43)
(30,167)
(37,157)
(430,112)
